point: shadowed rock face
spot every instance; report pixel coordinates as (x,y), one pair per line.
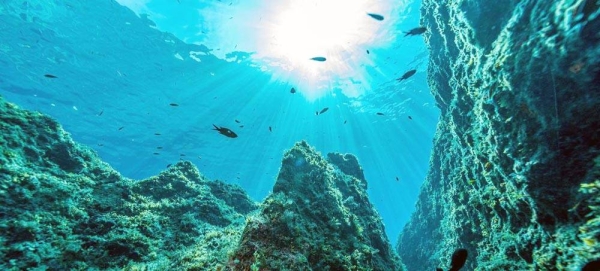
(62,208)
(514,172)
(318,218)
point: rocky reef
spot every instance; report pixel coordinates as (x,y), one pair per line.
(62,208)
(514,173)
(317,218)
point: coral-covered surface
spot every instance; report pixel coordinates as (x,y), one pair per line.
(62,208)
(514,173)
(317,218)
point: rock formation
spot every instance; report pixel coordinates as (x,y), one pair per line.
(514,172)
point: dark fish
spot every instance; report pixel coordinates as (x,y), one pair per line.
(397,179)
(409,117)
(224,131)
(319,58)
(157,134)
(182,154)
(121,128)
(237,121)
(379,113)
(416,31)
(345,121)
(173,104)
(323,110)
(50,76)
(101,112)
(156,153)
(169,165)
(459,257)
(293,90)
(591,266)
(407,75)
(376,16)
(368,52)
(100,144)
(241,126)
(270,129)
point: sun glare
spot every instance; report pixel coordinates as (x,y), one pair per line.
(338,30)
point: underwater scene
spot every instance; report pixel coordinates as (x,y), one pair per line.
(300,135)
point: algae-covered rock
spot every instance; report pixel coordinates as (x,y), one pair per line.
(511,174)
(62,208)
(317,218)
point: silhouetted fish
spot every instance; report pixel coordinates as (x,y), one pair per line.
(101,112)
(376,16)
(416,31)
(323,110)
(173,104)
(237,121)
(169,165)
(270,129)
(379,113)
(224,131)
(50,76)
(368,52)
(409,117)
(157,134)
(397,179)
(407,75)
(319,58)
(459,257)
(121,128)
(293,90)
(345,121)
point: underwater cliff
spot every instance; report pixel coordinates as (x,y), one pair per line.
(515,172)
(62,208)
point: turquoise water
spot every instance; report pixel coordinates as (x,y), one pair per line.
(119,68)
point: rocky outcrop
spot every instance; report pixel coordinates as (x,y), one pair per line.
(62,208)
(317,218)
(513,175)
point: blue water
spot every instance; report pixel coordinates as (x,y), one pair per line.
(118,70)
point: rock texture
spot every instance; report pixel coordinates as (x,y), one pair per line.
(62,208)
(514,172)
(318,218)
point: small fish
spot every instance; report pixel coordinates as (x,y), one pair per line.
(368,52)
(380,114)
(181,154)
(156,153)
(50,76)
(241,126)
(169,165)
(416,31)
(376,16)
(459,257)
(409,117)
(237,121)
(121,128)
(157,134)
(100,144)
(225,131)
(319,58)
(322,111)
(407,75)
(270,129)
(397,179)
(173,104)
(293,90)
(101,112)
(345,121)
